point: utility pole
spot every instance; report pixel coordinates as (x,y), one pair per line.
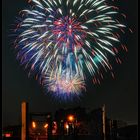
(104,122)
(24,122)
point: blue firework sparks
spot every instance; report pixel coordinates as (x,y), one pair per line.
(60,39)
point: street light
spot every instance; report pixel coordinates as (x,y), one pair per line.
(33,124)
(71,124)
(67,128)
(34,131)
(46,125)
(46,128)
(71,118)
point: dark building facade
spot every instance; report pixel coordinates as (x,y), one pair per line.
(72,124)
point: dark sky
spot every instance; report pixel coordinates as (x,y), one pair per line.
(120,94)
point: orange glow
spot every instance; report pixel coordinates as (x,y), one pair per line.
(53,131)
(46,125)
(67,126)
(7,135)
(71,118)
(33,124)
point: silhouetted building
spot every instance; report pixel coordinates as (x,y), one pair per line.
(73,124)
(129,132)
(83,123)
(114,126)
(40,125)
(70,120)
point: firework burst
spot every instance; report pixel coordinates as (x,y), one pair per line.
(64,83)
(63,38)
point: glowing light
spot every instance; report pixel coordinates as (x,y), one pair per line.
(34,124)
(7,135)
(71,118)
(46,125)
(67,126)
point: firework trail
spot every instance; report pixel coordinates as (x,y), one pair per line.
(58,40)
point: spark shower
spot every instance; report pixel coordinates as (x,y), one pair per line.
(59,41)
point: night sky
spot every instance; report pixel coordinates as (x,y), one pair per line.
(120,94)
